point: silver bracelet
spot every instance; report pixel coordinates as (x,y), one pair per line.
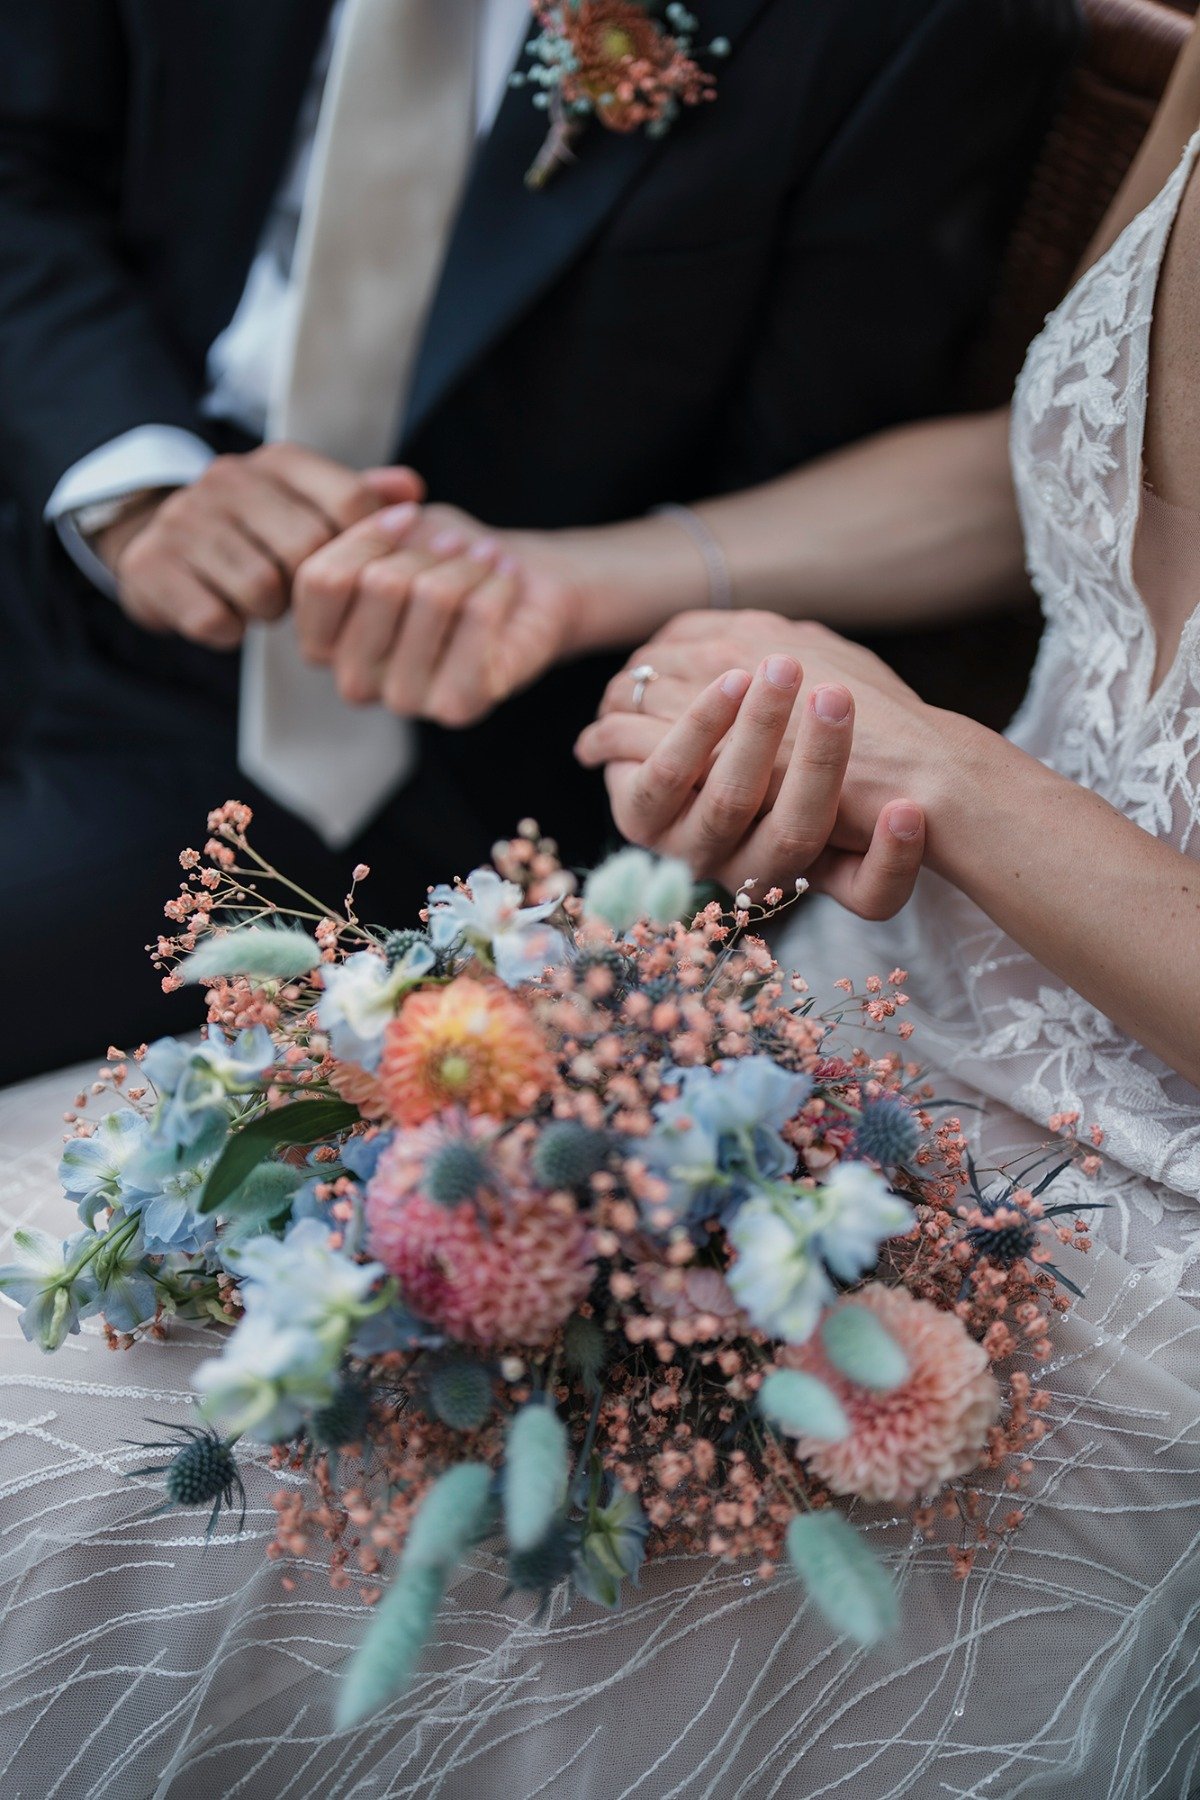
(720,578)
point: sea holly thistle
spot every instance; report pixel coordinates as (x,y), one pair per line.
(616,62)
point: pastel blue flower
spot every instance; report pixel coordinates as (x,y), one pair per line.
(92,1169)
(719,1142)
(360,999)
(487,917)
(301,1279)
(268,1379)
(123,1289)
(194,1082)
(788,1245)
(44,1284)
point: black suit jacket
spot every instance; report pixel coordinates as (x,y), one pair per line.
(795,265)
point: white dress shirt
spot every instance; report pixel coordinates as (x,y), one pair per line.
(242,359)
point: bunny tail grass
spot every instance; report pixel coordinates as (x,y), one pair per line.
(452,1516)
(846,1581)
(802,1406)
(536,1472)
(388,1654)
(263,952)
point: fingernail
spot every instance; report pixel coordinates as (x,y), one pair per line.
(904,822)
(735,683)
(782,671)
(832,704)
(448,543)
(397,518)
(483,550)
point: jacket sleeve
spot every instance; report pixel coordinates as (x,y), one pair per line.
(894,241)
(83,358)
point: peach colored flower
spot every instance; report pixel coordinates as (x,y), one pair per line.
(924,1433)
(488,1272)
(351,1082)
(469,1045)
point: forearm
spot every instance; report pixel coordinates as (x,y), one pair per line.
(916,524)
(1111,910)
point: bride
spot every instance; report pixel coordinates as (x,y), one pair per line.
(1051,937)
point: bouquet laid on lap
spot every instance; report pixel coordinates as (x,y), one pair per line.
(584,1222)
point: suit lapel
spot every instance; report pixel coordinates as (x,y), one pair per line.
(509,244)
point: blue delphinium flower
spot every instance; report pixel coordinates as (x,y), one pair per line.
(361,996)
(92,1169)
(194,1083)
(789,1245)
(120,1285)
(719,1142)
(488,918)
(304,1299)
(45,1283)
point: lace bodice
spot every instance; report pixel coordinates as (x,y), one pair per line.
(989,1016)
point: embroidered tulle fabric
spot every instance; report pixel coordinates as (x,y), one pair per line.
(134,1662)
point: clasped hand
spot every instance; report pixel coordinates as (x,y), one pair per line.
(416,607)
(805,768)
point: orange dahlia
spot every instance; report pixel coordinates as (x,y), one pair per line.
(469,1045)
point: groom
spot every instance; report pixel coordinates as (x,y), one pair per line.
(309,222)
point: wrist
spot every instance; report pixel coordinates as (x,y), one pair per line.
(629,581)
(110,540)
(973,783)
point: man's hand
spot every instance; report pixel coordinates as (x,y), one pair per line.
(205,560)
(431,613)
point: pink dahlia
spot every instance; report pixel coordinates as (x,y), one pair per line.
(927,1431)
(487,1271)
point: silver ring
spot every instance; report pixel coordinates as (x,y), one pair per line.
(641,677)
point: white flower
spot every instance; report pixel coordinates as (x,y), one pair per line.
(786,1243)
(267,1379)
(635,885)
(360,1000)
(302,1280)
(781,1287)
(852,1213)
(43,1284)
(487,916)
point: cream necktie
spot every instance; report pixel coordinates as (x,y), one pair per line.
(390,155)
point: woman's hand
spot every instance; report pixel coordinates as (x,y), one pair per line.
(428,611)
(704,790)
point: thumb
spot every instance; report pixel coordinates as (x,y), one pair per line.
(395,485)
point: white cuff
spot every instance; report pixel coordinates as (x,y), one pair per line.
(150,456)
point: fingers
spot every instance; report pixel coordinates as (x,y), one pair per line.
(392,486)
(341,495)
(437,598)
(736,787)
(327,582)
(477,664)
(163,594)
(665,783)
(878,883)
(803,813)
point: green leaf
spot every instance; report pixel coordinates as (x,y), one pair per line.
(264,1196)
(845,1580)
(264,952)
(802,1406)
(303,1122)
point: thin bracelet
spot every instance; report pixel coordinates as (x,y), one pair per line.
(720,579)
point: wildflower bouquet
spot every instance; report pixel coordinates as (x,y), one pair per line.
(586,1223)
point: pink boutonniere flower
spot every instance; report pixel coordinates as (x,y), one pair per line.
(613,61)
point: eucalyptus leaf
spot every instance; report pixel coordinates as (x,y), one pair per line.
(301,1122)
(264,952)
(845,1580)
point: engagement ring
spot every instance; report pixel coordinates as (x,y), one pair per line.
(641,677)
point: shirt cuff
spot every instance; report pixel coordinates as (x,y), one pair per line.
(151,456)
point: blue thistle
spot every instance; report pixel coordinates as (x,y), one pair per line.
(344,1420)
(460,1392)
(203,1468)
(887,1132)
(458,1170)
(568,1154)
(1004,1245)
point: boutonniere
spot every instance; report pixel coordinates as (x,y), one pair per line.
(614,61)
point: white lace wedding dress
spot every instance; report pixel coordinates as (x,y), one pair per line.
(134,1662)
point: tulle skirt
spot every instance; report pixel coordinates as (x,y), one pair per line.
(137,1660)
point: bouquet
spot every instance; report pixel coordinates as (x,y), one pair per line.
(566,1218)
